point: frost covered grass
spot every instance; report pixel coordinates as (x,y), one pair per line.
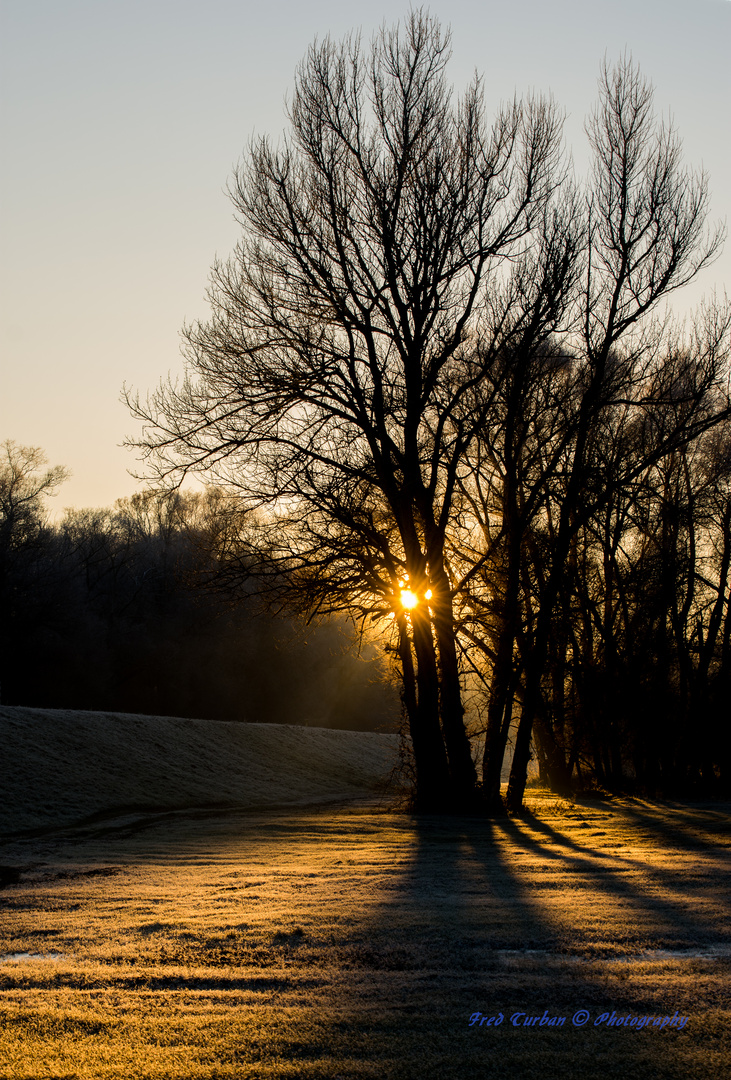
(354,942)
(62,766)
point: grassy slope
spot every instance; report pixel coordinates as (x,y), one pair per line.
(354,944)
(61,766)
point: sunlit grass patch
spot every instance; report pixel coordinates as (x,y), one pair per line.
(174,1035)
(357,945)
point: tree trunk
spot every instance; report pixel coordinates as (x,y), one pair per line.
(459,752)
(498,718)
(501,691)
(519,767)
(433,782)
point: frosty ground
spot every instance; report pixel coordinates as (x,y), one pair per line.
(348,940)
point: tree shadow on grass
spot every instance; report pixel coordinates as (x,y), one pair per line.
(677,898)
(517,918)
(409,926)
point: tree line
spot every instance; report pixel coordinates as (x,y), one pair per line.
(122,609)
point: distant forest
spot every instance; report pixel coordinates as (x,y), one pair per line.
(126,609)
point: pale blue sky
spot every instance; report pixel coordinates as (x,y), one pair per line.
(122,121)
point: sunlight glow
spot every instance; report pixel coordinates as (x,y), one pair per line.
(409,599)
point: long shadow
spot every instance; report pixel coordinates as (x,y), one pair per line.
(491,933)
(608,873)
(478,889)
(706,821)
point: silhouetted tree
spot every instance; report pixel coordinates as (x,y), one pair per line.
(433,364)
(25,483)
(335,382)
(25,601)
(645,238)
(586,393)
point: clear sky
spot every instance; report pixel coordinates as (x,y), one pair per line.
(122,120)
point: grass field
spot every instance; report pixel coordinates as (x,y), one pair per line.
(355,942)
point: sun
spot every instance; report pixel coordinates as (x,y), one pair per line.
(409,599)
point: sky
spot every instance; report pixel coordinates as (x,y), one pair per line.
(123,119)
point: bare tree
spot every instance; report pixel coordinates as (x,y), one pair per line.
(431,361)
(584,392)
(655,389)
(334,384)
(25,483)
